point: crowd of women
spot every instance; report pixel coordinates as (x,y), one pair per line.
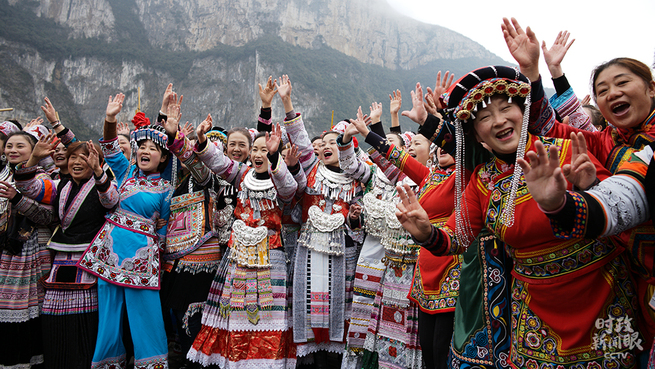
(511,231)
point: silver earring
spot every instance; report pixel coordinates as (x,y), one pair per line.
(3,158)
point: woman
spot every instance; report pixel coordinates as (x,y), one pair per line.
(125,253)
(624,91)
(24,260)
(434,286)
(551,278)
(373,275)
(325,259)
(245,318)
(70,307)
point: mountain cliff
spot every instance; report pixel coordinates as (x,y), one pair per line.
(339,53)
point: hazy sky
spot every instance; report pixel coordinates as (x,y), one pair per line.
(602,29)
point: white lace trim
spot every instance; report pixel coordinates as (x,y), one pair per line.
(310,348)
(19,316)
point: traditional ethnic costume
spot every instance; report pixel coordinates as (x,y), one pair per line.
(245,319)
(383,321)
(481,334)
(202,210)
(325,258)
(613,147)
(434,287)
(70,308)
(552,278)
(614,206)
(24,260)
(125,255)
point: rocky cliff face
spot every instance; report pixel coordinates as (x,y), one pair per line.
(367,30)
(339,53)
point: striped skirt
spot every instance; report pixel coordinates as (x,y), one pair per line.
(244,321)
(20,297)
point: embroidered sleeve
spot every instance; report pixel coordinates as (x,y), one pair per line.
(107,191)
(442,242)
(115,158)
(264,120)
(38,213)
(230,170)
(298,136)
(284,182)
(390,171)
(182,148)
(67,137)
(571,222)
(613,206)
(48,165)
(568,105)
(35,184)
(301,179)
(353,167)
(542,115)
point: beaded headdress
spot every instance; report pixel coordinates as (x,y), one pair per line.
(217,133)
(463,99)
(157,134)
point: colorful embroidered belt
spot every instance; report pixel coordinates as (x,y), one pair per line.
(133,222)
(564,260)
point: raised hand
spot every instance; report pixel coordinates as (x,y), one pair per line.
(524,47)
(49,110)
(114,106)
(93,159)
(123,129)
(412,215)
(174,104)
(544,177)
(430,105)
(556,53)
(418,113)
(585,100)
(44,147)
(284,88)
(395,102)
(273,139)
(360,123)
(376,112)
(34,122)
(349,132)
(293,155)
(203,128)
(582,171)
(267,92)
(172,121)
(442,85)
(166,99)
(187,129)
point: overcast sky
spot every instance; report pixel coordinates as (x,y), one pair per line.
(602,29)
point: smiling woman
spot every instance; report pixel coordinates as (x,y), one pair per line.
(488,104)
(130,239)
